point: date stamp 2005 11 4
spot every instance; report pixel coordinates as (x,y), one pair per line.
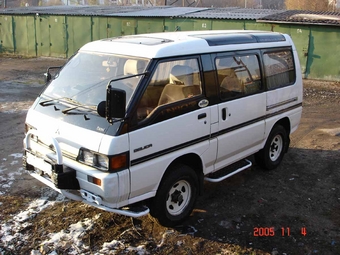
(270,231)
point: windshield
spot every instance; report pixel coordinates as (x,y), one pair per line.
(84,78)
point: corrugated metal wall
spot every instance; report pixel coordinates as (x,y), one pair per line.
(6,34)
(61,35)
(323,54)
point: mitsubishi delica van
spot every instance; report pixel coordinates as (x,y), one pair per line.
(137,124)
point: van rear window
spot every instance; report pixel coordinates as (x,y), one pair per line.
(279,69)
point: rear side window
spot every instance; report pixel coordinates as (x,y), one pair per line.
(238,75)
(279,69)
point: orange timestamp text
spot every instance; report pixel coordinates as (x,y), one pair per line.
(270,231)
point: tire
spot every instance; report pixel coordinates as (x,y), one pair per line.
(276,145)
(176,196)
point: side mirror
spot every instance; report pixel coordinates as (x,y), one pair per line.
(115,103)
(48,75)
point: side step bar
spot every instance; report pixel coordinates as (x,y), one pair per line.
(134,212)
(228,171)
(96,201)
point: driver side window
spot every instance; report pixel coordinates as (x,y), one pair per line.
(171,82)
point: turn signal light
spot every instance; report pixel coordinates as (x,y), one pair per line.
(118,162)
(94,180)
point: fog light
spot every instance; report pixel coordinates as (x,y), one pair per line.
(94,180)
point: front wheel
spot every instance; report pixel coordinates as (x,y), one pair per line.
(176,196)
(272,153)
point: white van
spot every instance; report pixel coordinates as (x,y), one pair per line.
(138,122)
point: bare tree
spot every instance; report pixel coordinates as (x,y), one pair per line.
(312,5)
(273,4)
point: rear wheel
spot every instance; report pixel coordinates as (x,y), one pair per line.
(176,196)
(272,153)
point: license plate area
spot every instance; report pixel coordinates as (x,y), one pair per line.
(39,163)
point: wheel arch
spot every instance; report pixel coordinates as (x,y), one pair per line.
(192,160)
(285,123)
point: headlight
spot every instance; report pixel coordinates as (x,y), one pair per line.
(88,158)
(93,159)
(112,163)
(102,161)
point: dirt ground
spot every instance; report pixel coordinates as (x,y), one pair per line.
(299,201)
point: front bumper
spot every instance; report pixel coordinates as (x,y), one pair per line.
(60,177)
(54,173)
(47,167)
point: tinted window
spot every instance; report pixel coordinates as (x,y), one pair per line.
(279,69)
(238,75)
(172,81)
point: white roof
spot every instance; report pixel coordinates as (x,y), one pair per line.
(157,45)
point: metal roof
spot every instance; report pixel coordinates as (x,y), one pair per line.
(232,13)
(82,10)
(164,11)
(144,11)
(126,11)
(260,15)
(304,17)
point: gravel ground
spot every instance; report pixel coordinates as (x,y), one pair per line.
(299,201)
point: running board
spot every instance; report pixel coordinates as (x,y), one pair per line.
(228,171)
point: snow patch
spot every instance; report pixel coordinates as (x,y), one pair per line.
(68,240)
(11,231)
(16,155)
(2,169)
(7,178)
(14,162)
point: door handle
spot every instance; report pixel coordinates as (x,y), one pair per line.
(224,114)
(202,116)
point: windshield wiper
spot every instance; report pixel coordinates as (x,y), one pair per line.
(47,102)
(89,107)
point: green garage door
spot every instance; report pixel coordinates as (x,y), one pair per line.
(99,28)
(228,24)
(24,39)
(51,36)
(323,58)
(79,33)
(6,34)
(153,25)
(172,25)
